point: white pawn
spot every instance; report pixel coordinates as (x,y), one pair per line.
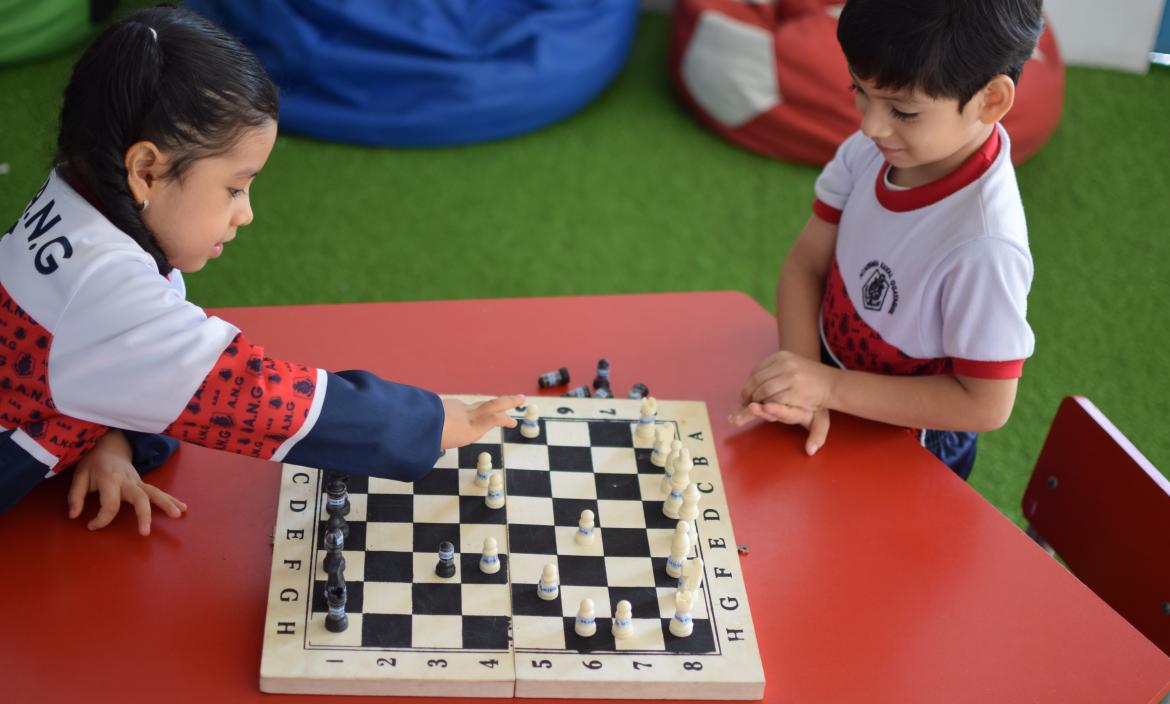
(586,624)
(495,492)
(530,423)
(676,448)
(623,627)
(645,429)
(661,447)
(585,526)
(679,548)
(681,624)
(550,583)
(489,563)
(678,484)
(692,577)
(483,469)
(690,503)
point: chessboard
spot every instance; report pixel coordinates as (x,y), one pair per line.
(413,633)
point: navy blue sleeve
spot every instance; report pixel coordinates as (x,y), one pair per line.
(149,451)
(368,425)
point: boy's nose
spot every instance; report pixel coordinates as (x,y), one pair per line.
(873,125)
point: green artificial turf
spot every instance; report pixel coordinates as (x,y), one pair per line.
(632,195)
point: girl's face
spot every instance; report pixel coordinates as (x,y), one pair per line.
(194,217)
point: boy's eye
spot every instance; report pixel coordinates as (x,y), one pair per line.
(899,115)
(236,192)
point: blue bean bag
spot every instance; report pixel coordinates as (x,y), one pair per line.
(431,72)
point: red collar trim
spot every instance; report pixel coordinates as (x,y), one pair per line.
(968,172)
(85,192)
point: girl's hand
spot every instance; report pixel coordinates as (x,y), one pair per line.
(465,423)
(107,469)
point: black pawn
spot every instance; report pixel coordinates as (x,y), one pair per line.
(338,494)
(446,566)
(334,543)
(336,620)
(336,522)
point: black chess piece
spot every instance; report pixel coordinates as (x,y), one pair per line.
(336,522)
(334,543)
(338,494)
(446,566)
(336,620)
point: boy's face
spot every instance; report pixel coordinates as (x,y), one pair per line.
(918,133)
(194,217)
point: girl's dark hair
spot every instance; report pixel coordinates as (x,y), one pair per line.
(946,48)
(164,75)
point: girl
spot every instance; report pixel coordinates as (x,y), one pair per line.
(165,123)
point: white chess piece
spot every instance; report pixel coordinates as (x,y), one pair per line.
(495,492)
(623,627)
(681,624)
(483,469)
(680,547)
(585,526)
(676,448)
(489,563)
(678,484)
(530,423)
(661,447)
(690,503)
(692,577)
(550,583)
(586,624)
(645,429)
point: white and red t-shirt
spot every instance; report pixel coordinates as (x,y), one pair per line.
(92,337)
(926,280)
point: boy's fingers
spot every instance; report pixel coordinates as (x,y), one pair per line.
(78,488)
(166,502)
(137,498)
(111,499)
(818,431)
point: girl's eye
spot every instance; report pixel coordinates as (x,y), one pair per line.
(899,115)
(236,192)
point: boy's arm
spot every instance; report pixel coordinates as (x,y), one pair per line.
(801,286)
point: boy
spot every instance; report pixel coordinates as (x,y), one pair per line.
(910,279)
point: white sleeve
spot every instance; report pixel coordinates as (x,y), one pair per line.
(127,350)
(836,181)
(984,301)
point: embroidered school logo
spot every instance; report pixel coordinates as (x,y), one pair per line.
(878,287)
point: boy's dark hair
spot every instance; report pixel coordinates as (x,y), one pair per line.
(946,48)
(165,75)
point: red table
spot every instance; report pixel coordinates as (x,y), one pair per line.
(875,574)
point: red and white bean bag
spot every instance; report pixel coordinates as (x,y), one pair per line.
(771,78)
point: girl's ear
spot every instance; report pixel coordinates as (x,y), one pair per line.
(996,99)
(143,163)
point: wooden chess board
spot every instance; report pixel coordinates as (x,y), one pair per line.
(478,635)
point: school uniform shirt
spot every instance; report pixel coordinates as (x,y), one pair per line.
(92,337)
(926,280)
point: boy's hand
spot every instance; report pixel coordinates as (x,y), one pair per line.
(466,423)
(107,469)
(789,379)
(816,422)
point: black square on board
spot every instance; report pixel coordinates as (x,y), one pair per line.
(356,540)
(353,597)
(645,466)
(386,631)
(436,599)
(621,487)
(626,542)
(513,435)
(582,570)
(563,458)
(532,539)
(427,537)
(701,640)
(440,480)
(469,455)
(525,602)
(528,482)
(470,573)
(661,578)
(485,632)
(386,566)
(473,509)
(567,512)
(611,433)
(390,508)
(354,483)
(643,600)
(602,640)
(655,518)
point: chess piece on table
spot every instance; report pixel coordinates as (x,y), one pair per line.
(495,492)
(661,447)
(680,547)
(334,545)
(446,566)
(556,377)
(336,619)
(483,469)
(586,624)
(678,484)
(339,523)
(489,562)
(623,627)
(530,423)
(584,535)
(690,503)
(681,624)
(550,583)
(676,450)
(337,493)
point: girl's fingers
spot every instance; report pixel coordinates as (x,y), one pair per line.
(137,498)
(78,488)
(111,499)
